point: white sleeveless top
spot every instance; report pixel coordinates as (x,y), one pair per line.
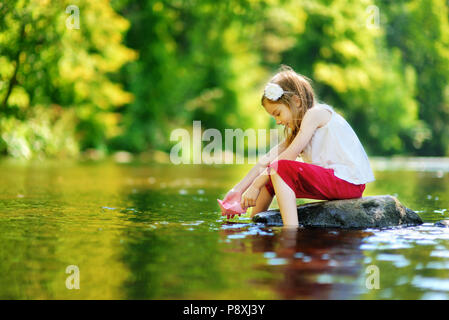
(336,146)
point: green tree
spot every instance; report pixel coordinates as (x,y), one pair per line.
(209,60)
(343,49)
(183,72)
(56,92)
(420,30)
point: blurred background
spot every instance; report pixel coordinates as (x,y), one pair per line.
(90,78)
(112,80)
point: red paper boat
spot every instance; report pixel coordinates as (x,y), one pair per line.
(232,208)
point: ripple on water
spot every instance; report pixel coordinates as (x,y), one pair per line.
(234,226)
(439,265)
(434,296)
(398,260)
(428,283)
(440,253)
(194,223)
(405,237)
(247,230)
(109,208)
(277,261)
(273,260)
(269,254)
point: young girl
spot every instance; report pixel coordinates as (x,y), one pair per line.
(336,165)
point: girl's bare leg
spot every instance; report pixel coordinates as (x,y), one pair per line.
(263,202)
(286,198)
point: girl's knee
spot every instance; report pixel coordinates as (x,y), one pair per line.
(276,175)
(278,165)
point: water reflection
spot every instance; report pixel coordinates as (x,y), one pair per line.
(314,263)
(154,231)
(168,255)
(414,261)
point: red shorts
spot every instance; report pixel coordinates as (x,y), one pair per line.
(313,182)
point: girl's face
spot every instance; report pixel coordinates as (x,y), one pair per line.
(280,112)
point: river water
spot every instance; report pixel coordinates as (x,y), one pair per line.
(154,231)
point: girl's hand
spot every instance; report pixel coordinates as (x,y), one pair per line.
(250,196)
(233,196)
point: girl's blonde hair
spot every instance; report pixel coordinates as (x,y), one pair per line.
(293,84)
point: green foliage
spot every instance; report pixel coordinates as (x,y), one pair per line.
(186,69)
(420,30)
(330,42)
(344,51)
(208,60)
(45,63)
(48,131)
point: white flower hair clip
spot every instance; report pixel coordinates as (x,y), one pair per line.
(273,91)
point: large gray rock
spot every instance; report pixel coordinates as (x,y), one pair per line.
(359,213)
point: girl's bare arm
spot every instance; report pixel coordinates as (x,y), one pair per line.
(261,165)
(310,123)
